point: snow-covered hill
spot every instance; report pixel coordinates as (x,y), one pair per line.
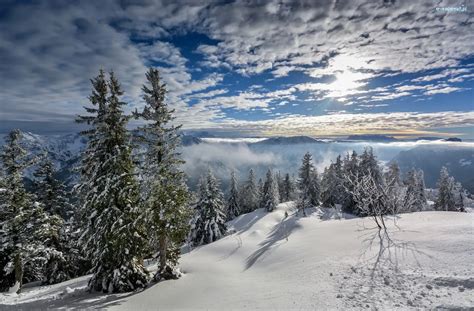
(278,261)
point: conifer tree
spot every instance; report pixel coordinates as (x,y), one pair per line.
(415,199)
(308,184)
(420,185)
(368,165)
(113,237)
(14,211)
(260,193)
(233,206)
(288,189)
(165,193)
(61,249)
(328,184)
(351,172)
(249,195)
(392,175)
(270,192)
(332,191)
(280,186)
(208,224)
(51,192)
(395,191)
(446,200)
(459,196)
(24,224)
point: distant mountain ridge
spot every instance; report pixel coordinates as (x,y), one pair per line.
(372,137)
(282,140)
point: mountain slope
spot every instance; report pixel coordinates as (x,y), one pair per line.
(275,262)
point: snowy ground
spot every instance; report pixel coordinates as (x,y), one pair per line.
(275,262)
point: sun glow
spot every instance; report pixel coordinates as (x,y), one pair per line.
(347,83)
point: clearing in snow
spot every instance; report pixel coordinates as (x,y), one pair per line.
(280,260)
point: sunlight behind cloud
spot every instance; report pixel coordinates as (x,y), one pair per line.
(345,83)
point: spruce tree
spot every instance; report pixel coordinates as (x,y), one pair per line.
(249,196)
(233,206)
(368,165)
(332,191)
(328,185)
(351,172)
(25,227)
(339,175)
(208,224)
(113,237)
(51,192)
(308,184)
(420,188)
(288,189)
(165,193)
(62,254)
(459,196)
(270,192)
(280,186)
(395,191)
(392,176)
(260,193)
(415,199)
(446,200)
(16,205)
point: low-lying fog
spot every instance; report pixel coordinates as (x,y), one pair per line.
(224,155)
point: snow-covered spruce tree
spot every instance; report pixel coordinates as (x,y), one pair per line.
(415,199)
(459,195)
(260,193)
(308,184)
(25,227)
(288,189)
(165,193)
(270,192)
(350,171)
(447,192)
(249,194)
(14,209)
(61,252)
(233,205)
(113,237)
(420,187)
(395,190)
(279,180)
(51,192)
(331,184)
(393,176)
(208,223)
(328,181)
(368,165)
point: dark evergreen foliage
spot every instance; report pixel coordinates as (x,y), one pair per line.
(114,238)
(166,213)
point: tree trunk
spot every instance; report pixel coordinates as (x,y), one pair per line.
(163,253)
(18,271)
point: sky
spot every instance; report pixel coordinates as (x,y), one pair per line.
(247,68)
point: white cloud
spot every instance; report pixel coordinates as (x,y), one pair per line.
(442,74)
(348,123)
(50,50)
(444,90)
